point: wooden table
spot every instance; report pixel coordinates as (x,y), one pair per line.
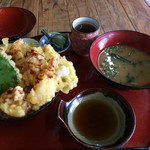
(36,133)
(57,15)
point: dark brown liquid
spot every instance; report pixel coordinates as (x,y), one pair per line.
(85,28)
(95,120)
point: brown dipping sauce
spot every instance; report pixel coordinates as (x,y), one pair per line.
(85,28)
(95,119)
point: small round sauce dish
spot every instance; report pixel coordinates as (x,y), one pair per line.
(98,118)
(31,41)
(44,40)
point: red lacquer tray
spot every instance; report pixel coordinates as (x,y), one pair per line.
(45,131)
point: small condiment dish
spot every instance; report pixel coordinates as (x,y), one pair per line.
(44,40)
(98,118)
(31,41)
(133,66)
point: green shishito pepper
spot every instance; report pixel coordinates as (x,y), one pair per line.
(8,75)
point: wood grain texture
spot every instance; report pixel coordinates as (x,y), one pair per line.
(139,14)
(58,15)
(5,3)
(53,15)
(112,15)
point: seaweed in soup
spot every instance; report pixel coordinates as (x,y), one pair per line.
(125,65)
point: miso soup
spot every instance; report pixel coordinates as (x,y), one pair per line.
(125,65)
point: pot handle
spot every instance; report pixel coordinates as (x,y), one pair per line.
(61,108)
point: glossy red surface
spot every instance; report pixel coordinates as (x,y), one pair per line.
(46,131)
(15,22)
(124,37)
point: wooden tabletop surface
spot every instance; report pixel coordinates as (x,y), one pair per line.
(57,15)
